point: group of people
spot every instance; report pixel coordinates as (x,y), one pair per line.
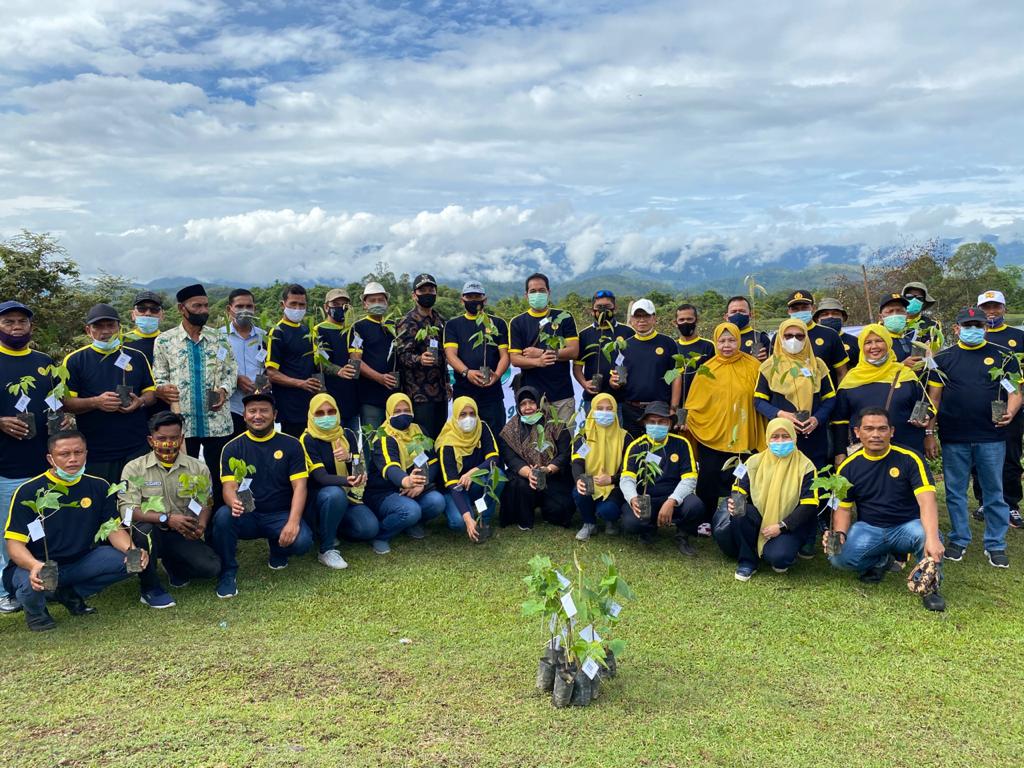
(386,425)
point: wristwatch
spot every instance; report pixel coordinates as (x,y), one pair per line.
(164,517)
(783,526)
(465,373)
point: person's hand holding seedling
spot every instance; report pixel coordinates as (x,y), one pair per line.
(13,427)
(136,403)
(169,393)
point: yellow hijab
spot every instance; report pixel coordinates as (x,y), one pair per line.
(463,443)
(336,437)
(401,436)
(866,373)
(775,482)
(783,370)
(723,405)
(605,456)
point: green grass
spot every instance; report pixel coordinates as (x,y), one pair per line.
(306,667)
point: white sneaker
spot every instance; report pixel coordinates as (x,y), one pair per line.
(584,533)
(332,559)
(704,529)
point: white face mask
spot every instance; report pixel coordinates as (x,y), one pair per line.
(467,423)
(793,346)
(294,315)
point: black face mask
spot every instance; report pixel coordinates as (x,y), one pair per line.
(835,323)
(473,307)
(15,342)
(197,319)
(426,300)
(686,329)
(338,314)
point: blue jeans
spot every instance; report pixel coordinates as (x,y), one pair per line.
(227,530)
(868,546)
(398,512)
(454,514)
(8,485)
(987,458)
(371,415)
(90,574)
(591,509)
(336,513)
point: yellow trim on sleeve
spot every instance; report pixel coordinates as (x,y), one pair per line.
(384,472)
(830,394)
(572,338)
(450,345)
(318,465)
(812,502)
(298,475)
(149,389)
(762,396)
(627,473)
(271,364)
(491,455)
(844,361)
(687,475)
(227,478)
(515,351)
(16,537)
(924,489)
(503,346)
(936,384)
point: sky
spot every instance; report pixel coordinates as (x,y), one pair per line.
(297,139)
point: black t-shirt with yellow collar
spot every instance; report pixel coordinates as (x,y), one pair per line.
(24,458)
(827,346)
(554,381)
(885,488)
(965,410)
(278,458)
(677,463)
(290,351)
(647,360)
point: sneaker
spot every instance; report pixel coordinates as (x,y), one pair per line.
(332,559)
(997,558)
(1016,521)
(584,533)
(40,622)
(525,527)
(979,514)
(685,547)
(897,565)
(9,604)
(807,550)
(744,572)
(780,570)
(954,552)
(611,528)
(70,599)
(934,602)
(277,563)
(876,573)
(381,547)
(227,587)
(157,598)
(416,532)
(704,529)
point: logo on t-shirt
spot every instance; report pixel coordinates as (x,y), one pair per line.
(86,502)
(989,361)
(659,351)
(820,342)
(279,454)
(894,472)
(674,457)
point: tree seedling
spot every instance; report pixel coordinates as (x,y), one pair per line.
(490,480)
(242,473)
(835,487)
(647,473)
(753,289)
(612,351)
(1009,380)
(429,334)
(687,363)
(486,332)
(60,375)
(133,557)
(21,389)
(543,445)
(195,487)
(419,446)
(47,502)
(551,338)
(318,351)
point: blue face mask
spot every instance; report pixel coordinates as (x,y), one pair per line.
(147,324)
(657,432)
(915,305)
(895,323)
(972,337)
(68,477)
(402,421)
(835,323)
(994,322)
(741,321)
(325,422)
(604,418)
(803,316)
(782,450)
(107,346)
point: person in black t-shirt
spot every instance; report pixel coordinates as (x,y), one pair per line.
(892,314)
(374,342)
(593,340)
(896,508)
(336,338)
(65,535)
(290,363)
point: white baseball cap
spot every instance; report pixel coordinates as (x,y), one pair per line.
(642,305)
(991,296)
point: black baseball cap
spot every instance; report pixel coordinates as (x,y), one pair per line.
(14,306)
(422,280)
(889,298)
(970,314)
(144,296)
(657,408)
(101,312)
(260,397)
(800,297)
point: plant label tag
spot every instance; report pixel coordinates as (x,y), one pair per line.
(481,505)
(433,343)
(653,458)
(589,634)
(128,516)
(391,350)
(261,354)
(244,485)
(421,460)
(545,321)
(562,581)
(1004,383)
(357,342)
(930,364)
(23,403)
(54,404)
(35,530)
(195,507)
(614,609)
(583,451)
(590,668)
(620,359)
(222,354)
(833,502)
(556,642)
(740,471)
(123,361)
(806,372)
(568,605)
(553,623)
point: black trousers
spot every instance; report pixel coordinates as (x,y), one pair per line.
(185,558)
(493,414)
(685,517)
(1012,491)
(631,415)
(712,481)
(431,417)
(212,446)
(518,501)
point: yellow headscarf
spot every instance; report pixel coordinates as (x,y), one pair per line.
(775,482)
(402,437)
(866,373)
(336,437)
(725,403)
(605,457)
(463,443)
(783,370)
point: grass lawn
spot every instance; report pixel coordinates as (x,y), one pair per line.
(306,667)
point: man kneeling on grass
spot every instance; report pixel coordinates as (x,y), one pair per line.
(70,506)
(896,508)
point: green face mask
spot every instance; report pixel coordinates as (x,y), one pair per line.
(532,419)
(538,301)
(325,422)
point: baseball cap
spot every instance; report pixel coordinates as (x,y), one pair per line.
(257,397)
(996,296)
(143,296)
(657,408)
(800,297)
(337,293)
(473,286)
(422,280)
(14,306)
(642,305)
(101,312)
(970,314)
(889,298)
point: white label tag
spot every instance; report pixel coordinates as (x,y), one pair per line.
(589,634)
(128,516)
(244,485)
(195,507)
(740,471)
(54,403)
(620,359)
(543,322)
(590,668)
(1005,384)
(261,355)
(614,609)
(930,364)
(653,458)
(806,372)
(222,353)
(568,605)
(583,451)
(562,581)
(35,530)
(555,642)
(833,502)
(433,343)
(391,350)
(23,403)
(123,361)
(481,505)
(553,623)
(421,460)
(357,342)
